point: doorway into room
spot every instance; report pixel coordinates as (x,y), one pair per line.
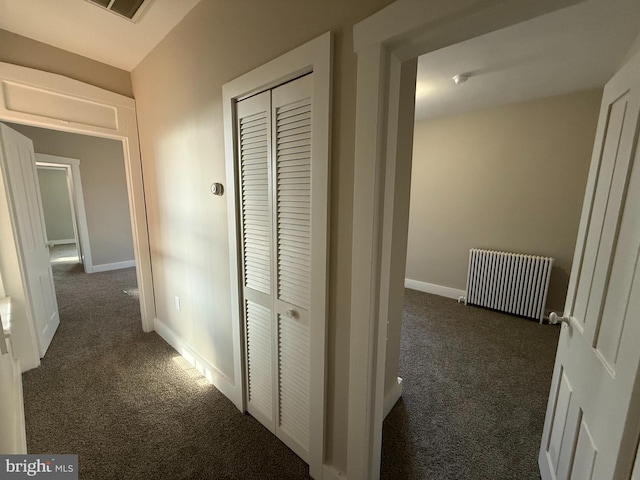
(395,174)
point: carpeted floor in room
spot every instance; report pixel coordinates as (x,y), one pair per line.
(476,384)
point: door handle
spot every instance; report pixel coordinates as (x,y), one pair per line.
(554,319)
(291,313)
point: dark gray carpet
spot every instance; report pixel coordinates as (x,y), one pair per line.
(476,384)
(126,403)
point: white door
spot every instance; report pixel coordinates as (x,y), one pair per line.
(274,146)
(19,171)
(291,197)
(254,146)
(591,427)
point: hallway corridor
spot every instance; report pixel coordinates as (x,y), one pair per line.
(129,405)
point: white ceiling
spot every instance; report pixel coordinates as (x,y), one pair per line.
(83,28)
(574,49)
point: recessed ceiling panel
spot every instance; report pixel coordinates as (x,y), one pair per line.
(127,8)
(131,9)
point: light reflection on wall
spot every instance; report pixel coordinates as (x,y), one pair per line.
(424,89)
(189,237)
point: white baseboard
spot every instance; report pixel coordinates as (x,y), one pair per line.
(217,378)
(433,288)
(65,241)
(105,267)
(329,472)
(391,397)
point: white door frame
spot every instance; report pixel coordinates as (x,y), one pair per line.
(387,45)
(314,56)
(72,165)
(43,99)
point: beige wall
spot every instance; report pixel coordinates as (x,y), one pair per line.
(633,50)
(509,178)
(26,52)
(104,186)
(178,91)
(56,205)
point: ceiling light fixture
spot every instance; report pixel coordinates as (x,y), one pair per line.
(458,79)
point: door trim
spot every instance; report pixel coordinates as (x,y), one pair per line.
(43,99)
(314,56)
(387,45)
(79,212)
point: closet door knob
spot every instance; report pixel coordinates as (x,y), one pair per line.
(291,313)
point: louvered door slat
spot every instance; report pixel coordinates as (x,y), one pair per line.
(287,219)
(298,227)
(295,238)
(258,240)
(292,112)
(296,243)
(301,247)
(295,108)
(252,130)
(290,147)
(294,273)
(297,235)
(294,260)
(295,162)
(294,147)
(294,138)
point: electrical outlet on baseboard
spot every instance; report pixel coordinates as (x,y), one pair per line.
(177,299)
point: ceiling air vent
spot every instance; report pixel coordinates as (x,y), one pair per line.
(129,9)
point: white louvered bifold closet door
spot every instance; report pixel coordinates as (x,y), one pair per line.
(291,119)
(274,151)
(254,154)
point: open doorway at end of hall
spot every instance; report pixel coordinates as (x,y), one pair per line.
(84,195)
(58,207)
(83,198)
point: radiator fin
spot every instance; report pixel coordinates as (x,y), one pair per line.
(509,282)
